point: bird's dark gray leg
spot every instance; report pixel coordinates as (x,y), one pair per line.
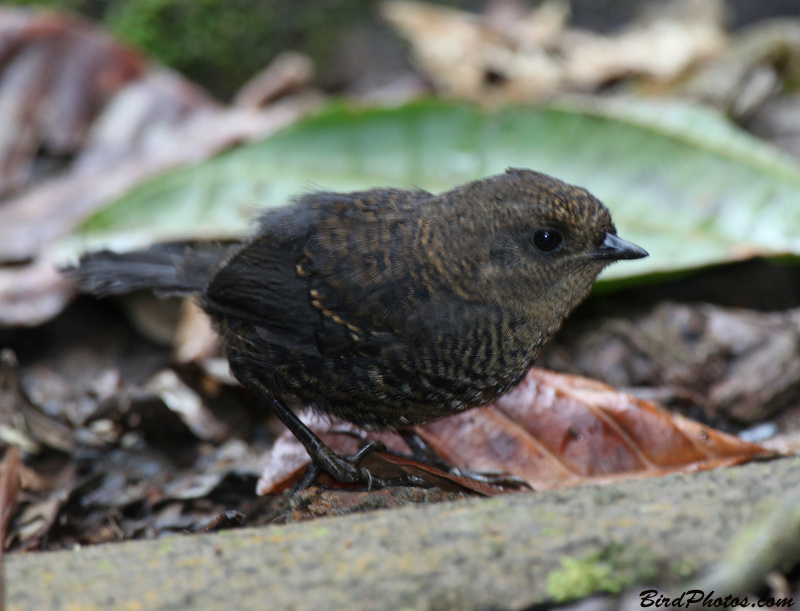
(345,469)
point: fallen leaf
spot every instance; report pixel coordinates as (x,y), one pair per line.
(552,431)
(513,55)
(578,430)
(731,364)
(188,405)
(10,482)
(759,65)
(56,74)
(287,73)
(85,119)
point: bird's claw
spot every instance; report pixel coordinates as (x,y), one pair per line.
(348,470)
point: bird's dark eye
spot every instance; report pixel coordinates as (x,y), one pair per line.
(547,240)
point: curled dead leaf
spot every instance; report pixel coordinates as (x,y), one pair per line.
(552,431)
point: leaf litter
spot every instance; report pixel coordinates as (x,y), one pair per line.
(154,446)
(515,54)
(84,119)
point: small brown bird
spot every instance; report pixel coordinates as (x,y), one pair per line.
(388,308)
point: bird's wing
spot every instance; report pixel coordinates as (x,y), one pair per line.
(312,280)
(260,285)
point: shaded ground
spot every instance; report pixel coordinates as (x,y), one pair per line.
(125,443)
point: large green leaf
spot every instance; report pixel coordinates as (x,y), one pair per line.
(679,180)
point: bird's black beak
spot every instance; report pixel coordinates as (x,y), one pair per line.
(615,248)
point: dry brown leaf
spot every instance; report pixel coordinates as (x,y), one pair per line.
(728,363)
(565,430)
(552,431)
(188,405)
(86,119)
(288,72)
(472,59)
(56,75)
(513,55)
(9,491)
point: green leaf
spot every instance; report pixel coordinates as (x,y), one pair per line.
(680,181)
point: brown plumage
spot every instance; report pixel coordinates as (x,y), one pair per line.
(387,307)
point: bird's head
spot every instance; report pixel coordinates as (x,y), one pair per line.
(533,241)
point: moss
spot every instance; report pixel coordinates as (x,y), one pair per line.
(222,43)
(85,7)
(680,570)
(607,571)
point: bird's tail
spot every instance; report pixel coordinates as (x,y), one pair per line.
(166,269)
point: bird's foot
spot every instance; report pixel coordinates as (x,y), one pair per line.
(349,470)
(345,469)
